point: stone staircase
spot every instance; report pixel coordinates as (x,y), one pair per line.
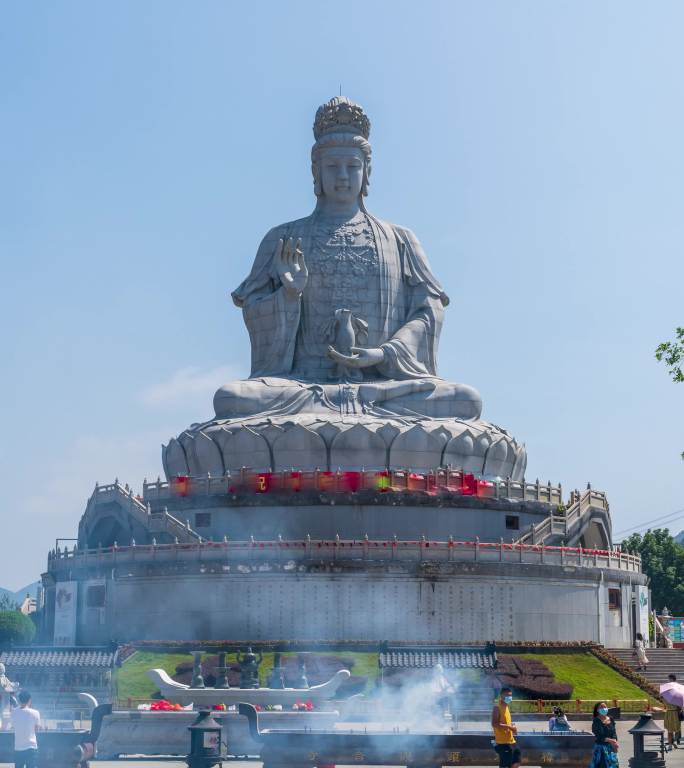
(565,529)
(662,662)
(160,524)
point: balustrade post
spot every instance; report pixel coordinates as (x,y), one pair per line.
(365,546)
(477,548)
(537,489)
(451,548)
(501,549)
(543,549)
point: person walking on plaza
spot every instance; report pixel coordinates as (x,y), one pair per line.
(605,754)
(25,722)
(505,731)
(640,651)
(672,722)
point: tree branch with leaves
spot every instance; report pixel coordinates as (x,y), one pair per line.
(672,354)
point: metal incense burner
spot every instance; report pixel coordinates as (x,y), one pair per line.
(306,749)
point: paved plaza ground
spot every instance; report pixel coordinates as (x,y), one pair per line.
(675,759)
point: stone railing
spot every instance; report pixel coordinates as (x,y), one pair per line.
(562,524)
(158,521)
(245,556)
(438,481)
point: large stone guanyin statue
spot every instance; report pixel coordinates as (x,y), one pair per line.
(344,317)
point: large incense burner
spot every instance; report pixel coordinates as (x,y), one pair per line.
(185,694)
(410,748)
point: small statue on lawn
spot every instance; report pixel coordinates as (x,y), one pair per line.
(249,668)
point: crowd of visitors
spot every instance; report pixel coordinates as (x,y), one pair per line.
(606,747)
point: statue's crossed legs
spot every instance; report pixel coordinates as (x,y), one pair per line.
(428,397)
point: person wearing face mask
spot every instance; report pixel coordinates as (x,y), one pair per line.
(605,753)
(505,731)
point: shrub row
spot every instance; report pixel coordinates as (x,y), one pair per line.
(530,678)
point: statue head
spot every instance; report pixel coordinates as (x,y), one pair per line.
(341,156)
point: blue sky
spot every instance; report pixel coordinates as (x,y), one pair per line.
(145,148)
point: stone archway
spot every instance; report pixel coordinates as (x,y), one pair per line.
(106,531)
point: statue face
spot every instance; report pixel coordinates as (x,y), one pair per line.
(341,173)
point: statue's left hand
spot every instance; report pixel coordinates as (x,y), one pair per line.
(359,358)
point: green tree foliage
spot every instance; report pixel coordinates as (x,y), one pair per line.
(663,562)
(672,352)
(7,604)
(15,629)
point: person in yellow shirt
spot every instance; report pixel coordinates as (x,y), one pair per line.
(505,731)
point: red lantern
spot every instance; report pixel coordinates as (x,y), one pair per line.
(263,482)
(181,485)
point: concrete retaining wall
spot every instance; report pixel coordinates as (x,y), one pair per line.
(469,606)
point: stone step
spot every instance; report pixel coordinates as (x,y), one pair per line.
(653,650)
(662,662)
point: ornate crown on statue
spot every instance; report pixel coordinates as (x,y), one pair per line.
(340,114)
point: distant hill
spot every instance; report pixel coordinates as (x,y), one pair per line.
(20,594)
(679,538)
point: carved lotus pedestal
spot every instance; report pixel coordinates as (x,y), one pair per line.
(347,443)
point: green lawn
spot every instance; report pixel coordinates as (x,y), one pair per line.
(132,682)
(590,678)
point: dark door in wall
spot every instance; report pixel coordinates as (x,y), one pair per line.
(632,603)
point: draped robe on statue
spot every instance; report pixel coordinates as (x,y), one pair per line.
(380,273)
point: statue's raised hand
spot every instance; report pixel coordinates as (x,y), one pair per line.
(290,265)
